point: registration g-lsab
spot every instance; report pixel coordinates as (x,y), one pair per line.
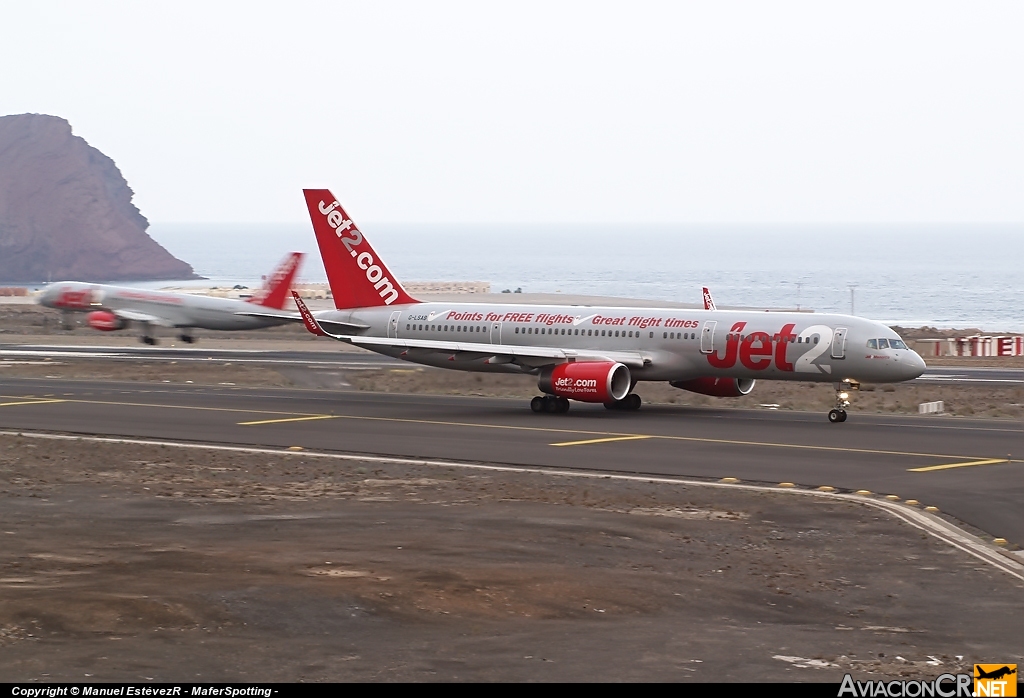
(594,354)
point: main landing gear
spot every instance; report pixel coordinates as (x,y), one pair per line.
(549,403)
(146,333)
(838,413)
(629,403)
(560,405)
(187,338)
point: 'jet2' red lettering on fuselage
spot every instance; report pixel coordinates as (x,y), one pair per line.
(755,351)
(73,299)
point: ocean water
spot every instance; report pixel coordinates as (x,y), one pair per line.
(911,275)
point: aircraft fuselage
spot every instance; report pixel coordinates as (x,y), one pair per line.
(675,344)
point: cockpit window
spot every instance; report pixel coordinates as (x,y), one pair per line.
(897,344)
(883,343)
(872,344)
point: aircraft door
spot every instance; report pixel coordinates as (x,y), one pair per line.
(707,337)
(393,324)
(839,343)
(495,333)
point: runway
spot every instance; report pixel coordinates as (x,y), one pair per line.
(969,469)
(362,360)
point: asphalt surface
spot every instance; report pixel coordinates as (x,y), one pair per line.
(969,469)
(355,360)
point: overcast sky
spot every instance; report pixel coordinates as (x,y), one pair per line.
(539,112)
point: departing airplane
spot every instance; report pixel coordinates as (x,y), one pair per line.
(115,307)
(589,353)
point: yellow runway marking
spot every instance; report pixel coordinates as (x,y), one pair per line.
(602,441)
(29,402)
(289,419)
(966,464)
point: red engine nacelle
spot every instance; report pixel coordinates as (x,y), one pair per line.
(105,322)
(587,381)
(717,387)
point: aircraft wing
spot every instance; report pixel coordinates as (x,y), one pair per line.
(525,355)
(337,326)
(495,353)
(136,316)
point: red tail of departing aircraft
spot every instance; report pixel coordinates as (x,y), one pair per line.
(275,290)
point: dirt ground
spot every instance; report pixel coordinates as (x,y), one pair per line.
(131,563)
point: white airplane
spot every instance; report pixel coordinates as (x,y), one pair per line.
(595,354)
(113,308)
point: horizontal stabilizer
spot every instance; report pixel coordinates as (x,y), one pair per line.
(337,325)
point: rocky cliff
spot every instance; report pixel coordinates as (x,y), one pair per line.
(66,212)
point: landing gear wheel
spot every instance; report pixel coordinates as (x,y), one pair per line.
(188,339)
(148,340)
(837,416)
(629,403)
(550,404)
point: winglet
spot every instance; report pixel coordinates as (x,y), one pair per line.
(307,317)
(709,302)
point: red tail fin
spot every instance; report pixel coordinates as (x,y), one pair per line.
(709,302)
(358,277)
(276,289)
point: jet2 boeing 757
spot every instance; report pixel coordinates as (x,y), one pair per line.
(589,353)
(113,308)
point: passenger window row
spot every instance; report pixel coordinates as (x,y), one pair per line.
(579,333)
(415,327)
(791,339)
(444,328)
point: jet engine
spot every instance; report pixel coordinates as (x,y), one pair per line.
(105,322)
(717,387)
(587,381)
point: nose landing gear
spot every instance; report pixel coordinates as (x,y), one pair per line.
(838,413)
